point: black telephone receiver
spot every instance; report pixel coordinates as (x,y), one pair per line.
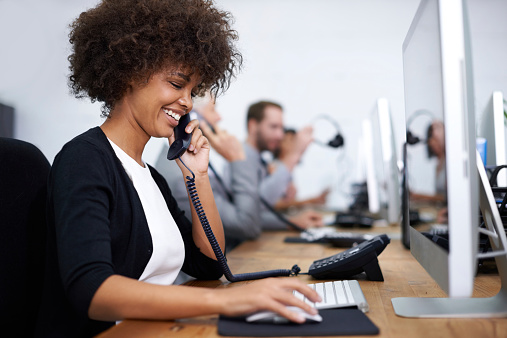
(177,148)
(182,141)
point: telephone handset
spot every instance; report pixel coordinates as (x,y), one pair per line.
(182,141)
(177,148)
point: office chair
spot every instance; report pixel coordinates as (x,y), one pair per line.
(23,186)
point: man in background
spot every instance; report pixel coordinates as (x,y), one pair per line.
(238,190)
(265,133)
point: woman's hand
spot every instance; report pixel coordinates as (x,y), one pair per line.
(197,155)
(273,294)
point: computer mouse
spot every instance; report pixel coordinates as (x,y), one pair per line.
(275,318)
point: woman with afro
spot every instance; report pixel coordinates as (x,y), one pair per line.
(116,237)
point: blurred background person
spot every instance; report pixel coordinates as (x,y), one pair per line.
(435,145)
(265,133)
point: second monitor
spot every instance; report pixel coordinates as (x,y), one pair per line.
(491,127)
(385,162)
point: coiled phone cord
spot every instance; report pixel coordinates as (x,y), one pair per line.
(192,191)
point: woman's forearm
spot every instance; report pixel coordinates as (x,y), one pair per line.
(121,297)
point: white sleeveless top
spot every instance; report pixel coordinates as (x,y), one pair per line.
(168,247)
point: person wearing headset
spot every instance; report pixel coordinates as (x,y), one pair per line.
(435,145)
(116,237)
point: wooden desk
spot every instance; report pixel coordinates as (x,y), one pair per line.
(404,277)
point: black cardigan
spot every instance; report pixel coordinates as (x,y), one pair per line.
(97,228)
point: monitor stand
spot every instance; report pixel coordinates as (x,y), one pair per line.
(496,306)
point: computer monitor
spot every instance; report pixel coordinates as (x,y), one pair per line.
(492,128)
(438,78)
(368,155)
(385,162)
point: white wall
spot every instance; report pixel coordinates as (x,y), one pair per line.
(33,70)
(315,57)
(321,56)
(488,21)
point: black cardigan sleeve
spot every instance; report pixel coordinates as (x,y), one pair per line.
(99,223)
(196,264)
(79,204)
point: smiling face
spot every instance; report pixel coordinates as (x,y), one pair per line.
(156,106)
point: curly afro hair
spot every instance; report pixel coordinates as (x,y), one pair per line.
(121,41)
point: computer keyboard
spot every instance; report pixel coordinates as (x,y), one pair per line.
(439,229)
(337,294)
(329,235)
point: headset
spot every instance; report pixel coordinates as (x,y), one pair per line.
(411,138)
(338,140)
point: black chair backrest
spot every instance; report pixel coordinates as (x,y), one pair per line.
(24,172)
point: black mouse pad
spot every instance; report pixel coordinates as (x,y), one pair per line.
(335,322)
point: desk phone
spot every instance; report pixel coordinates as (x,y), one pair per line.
(355,260)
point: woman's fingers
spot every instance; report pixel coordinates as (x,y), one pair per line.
(200,143)
(191,126)
(273,294)
(283,300)
(198,140)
